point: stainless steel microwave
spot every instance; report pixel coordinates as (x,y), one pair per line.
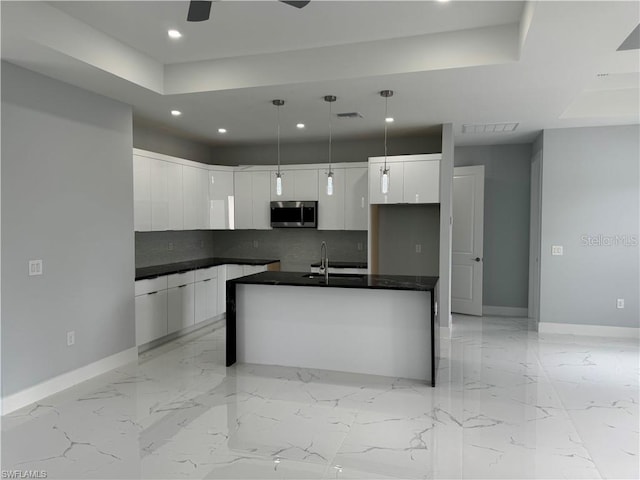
(294,214)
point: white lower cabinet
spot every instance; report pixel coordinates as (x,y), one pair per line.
(206,298)
(170,303)
(206,294)
(181,305)
(251,269)
(151,316)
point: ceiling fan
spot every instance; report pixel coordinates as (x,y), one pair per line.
(199,11)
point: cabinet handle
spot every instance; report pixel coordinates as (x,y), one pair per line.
(182,286)
(152,293)
(207,280)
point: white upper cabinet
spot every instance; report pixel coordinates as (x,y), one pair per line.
(261,196)
(221,199)
(356,199)
(305,184)
(296,185)
(331,208)
(422,182)
(242,185)
(412,179)
(141,193)
(396,182)
(175,194)
(166,196)
(195,184)
(252,195)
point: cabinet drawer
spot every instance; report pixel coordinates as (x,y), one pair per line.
(142,287)
(206,273)
(178,279)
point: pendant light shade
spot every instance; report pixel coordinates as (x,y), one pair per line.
(385,173)
(330,99)
(278,104)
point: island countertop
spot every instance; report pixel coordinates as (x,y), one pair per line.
(302,279)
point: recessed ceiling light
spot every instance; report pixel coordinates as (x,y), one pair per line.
(174,34)
(176,113)
(389,119)
(443,1)
(222,130)
(300,125)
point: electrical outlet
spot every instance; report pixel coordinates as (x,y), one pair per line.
(35,267)
(557,250)
(620,303)
(418,248)
(255,244)
(359,246)
(170,246)
(71,338)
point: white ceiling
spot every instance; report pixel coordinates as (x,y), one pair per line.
(463,62)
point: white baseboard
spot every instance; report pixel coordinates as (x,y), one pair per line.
(33,394)
(588,330)
(505,311)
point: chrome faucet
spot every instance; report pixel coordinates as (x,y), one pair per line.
(324,261)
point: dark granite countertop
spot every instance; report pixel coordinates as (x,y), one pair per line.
(144,273)
(302,279)
(333,264)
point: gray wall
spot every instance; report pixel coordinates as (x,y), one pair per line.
(590,186)
(297,249)
(67,197)
(507,168)
(156,138)
(401,227)
(317,152)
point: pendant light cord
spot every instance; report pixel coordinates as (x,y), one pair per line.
(278,107)
(330,137)
(386,102)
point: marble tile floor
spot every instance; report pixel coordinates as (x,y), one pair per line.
(509,403)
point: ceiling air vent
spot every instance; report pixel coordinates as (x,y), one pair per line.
(349,115)
(490,128)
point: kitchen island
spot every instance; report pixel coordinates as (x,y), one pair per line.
(374,324)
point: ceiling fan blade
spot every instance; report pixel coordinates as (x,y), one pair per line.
(297,4)
(198,11)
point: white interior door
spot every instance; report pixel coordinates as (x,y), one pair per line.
(467,240)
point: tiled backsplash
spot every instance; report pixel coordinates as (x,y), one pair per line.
(154,248)
(296,248)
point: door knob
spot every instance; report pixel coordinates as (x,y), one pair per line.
(477,259)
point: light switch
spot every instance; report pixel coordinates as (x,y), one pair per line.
(418,248)
(620,303)
(35,267)
(557,250)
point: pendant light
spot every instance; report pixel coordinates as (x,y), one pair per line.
(278,104)
(330,99)
(384,180)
